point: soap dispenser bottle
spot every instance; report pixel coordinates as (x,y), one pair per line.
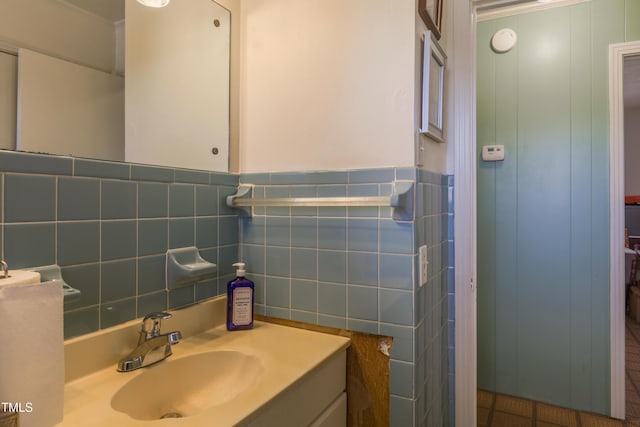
(240,300)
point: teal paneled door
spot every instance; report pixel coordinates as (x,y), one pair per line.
(543,261)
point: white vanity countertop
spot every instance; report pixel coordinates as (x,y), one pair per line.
(286,353)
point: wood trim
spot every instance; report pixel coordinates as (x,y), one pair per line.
(433,23)
(367,373)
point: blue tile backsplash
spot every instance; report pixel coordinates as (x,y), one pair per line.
(356,268)
(109,225)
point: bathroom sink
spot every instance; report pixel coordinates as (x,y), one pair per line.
(186,386)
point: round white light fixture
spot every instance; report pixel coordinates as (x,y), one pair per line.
(154,3)
(504,40)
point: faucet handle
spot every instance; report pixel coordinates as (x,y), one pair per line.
(151,323)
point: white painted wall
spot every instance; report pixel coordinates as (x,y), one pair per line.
(327,84)
(632,152)
(430,154)
(55,29)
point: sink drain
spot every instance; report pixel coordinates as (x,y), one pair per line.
(171,415)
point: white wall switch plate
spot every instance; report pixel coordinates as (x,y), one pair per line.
(422,273)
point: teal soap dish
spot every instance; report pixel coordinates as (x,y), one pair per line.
(53,272)
(185,266)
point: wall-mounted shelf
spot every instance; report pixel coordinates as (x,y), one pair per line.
(185,266)
(401,200)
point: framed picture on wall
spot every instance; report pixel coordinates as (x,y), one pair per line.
(433,66)
(431,13)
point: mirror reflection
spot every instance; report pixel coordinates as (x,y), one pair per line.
(62,72)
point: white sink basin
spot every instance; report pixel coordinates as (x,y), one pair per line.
(186,386)
(215,377)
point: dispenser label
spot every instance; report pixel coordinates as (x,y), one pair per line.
(242,307)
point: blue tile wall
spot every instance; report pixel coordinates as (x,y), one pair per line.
(108,225)
(448,233)
(356,268)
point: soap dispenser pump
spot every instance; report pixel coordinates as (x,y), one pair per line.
(240,300)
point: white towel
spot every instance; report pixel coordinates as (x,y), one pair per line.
(32,352)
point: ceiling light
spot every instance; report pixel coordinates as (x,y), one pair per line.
(539,1)
(154,3)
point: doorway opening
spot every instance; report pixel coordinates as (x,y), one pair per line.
(631,103)
(622,56)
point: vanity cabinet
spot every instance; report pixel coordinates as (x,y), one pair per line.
(335,415)
(318,399)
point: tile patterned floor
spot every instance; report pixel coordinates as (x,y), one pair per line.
(498,410)
(632,370)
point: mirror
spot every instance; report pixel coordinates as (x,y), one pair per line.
(65,61)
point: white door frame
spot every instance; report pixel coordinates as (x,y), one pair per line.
(462,59)
(617,54)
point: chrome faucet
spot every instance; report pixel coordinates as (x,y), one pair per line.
(152,346)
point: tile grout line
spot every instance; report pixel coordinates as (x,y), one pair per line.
(578,418)
(491,409)
(629,329)
(637,340)
(534,415)
(633,335)
(633,383)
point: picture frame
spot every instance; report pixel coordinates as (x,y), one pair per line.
(433,73)
(431,13)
